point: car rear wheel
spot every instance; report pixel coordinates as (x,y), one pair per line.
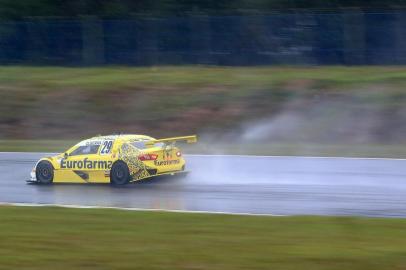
(44,172)
(119,174)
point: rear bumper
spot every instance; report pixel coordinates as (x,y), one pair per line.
(178,173)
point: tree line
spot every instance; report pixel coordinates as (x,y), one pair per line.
(18,10)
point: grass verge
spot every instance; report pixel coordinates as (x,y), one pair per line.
(276,149)
(326,103)
(105,78)
(59,238)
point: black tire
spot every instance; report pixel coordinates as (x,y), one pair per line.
(44,172)
(119,174)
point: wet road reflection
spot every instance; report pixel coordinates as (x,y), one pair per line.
(263,185)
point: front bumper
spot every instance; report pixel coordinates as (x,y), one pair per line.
(33,177)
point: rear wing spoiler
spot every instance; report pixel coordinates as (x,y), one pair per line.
(188,139)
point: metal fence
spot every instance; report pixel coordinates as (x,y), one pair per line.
(349,38)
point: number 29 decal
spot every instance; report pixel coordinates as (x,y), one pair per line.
(106,147)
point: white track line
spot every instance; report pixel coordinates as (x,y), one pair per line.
(246,156)
(309,157)
(135,209)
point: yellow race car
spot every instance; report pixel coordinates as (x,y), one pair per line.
(115,159)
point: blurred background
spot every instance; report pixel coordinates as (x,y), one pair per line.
(260,77)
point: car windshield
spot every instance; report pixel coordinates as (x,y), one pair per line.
(85,150)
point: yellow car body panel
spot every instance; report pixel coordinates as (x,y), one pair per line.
(91,160)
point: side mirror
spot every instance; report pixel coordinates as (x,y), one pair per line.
(65,155)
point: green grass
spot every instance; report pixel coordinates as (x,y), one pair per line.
(36,145)
(62,102)
(107,77)
(274,149)
(58,238)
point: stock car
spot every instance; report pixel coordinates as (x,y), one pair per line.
(115,159)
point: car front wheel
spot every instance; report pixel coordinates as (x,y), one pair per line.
(44,172)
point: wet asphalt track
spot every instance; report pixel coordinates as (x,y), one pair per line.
(259,185)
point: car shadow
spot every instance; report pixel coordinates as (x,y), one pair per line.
(152,181)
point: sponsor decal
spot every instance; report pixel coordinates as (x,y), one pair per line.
(166,162)
(167,154)
(106,147)
(82,175)
(128,154)
(94,143)
(86,164)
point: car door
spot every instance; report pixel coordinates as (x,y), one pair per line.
(80,163)
(101,173)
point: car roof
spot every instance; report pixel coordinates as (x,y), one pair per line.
(123,137)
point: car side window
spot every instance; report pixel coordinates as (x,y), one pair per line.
(141,144)
(85,150)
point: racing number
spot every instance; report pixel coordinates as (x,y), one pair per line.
(106,147)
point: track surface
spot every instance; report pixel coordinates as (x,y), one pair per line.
(238,184)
